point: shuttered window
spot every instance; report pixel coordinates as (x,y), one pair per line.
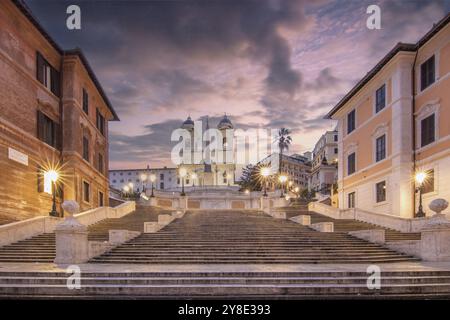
(351,165)
(427,76)
(48,131)
(351,121)
(100,122)
(47,75)
(86,191)
(86,148)
(427,127)
(380,98)
(100,163)
(380,191)
(381,148)
(85,101)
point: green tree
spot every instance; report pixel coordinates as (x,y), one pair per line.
(283,139)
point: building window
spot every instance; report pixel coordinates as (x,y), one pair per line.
(100,122)
(122,181)
(381,191)
(380,98)
(86,149)
(351,121)
(335,137)
(187,181)
(48,131)
(47,75)
(380,152)
(335,150)
(114,181)
(427,76)
(427,127)
(100,199)
(161,176)
(351,164)
(86,191)
(85,101)
(100,163)
(428,184)
(178,180)
(351,200)
(161,185)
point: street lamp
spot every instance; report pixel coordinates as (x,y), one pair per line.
(126,189)
(296,190)
(53,176)
(265,173)
(282,180)
(183,174)
(152,179)
(143,179)
(420,179)
(290,184)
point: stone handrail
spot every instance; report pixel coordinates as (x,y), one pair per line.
(21,230)
(384,220)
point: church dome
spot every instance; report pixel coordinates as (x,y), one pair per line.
(188,124)
(225,123)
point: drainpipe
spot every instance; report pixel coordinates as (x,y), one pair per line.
(61,123)
(413,106)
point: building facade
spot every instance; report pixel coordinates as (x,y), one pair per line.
(206,166)
(139,179)
(395,123)
(324,163)
(53,115)
(297,168)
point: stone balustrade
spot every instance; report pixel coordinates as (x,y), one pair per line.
(323,226)
(303,219)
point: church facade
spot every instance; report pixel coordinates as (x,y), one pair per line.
(211,160)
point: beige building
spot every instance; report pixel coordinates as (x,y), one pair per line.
(395,123)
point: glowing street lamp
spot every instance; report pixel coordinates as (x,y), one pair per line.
(52,176)
(296,190)
(126,189)
(420,179)
(265,173)
(183,173)
(247,191)
(152,180)
(283,178)
(290,184)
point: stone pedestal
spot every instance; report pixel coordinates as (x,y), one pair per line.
(165,219)
(435,240)
(71,242)
(151,227)
(323,226)
(153,201)
(303,219)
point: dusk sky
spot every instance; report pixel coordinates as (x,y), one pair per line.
(266,64)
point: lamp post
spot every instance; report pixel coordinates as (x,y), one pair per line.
(143,180)
(152,180)
(290,184)
(53,177)
(126,189)
(182,173)
(296,190)
(420,179)
(282,180)
(265,172)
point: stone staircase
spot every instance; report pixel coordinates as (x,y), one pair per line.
(41,248)
(347,225)
(243,237)
(227,285)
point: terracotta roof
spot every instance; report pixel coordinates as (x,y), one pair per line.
(408,47)
(21,5)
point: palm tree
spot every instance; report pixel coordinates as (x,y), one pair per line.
(284,141)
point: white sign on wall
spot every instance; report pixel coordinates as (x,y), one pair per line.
(18,156)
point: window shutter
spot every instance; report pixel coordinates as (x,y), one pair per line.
(55,85)
(40,67)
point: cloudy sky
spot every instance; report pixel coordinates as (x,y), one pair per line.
(267,64)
